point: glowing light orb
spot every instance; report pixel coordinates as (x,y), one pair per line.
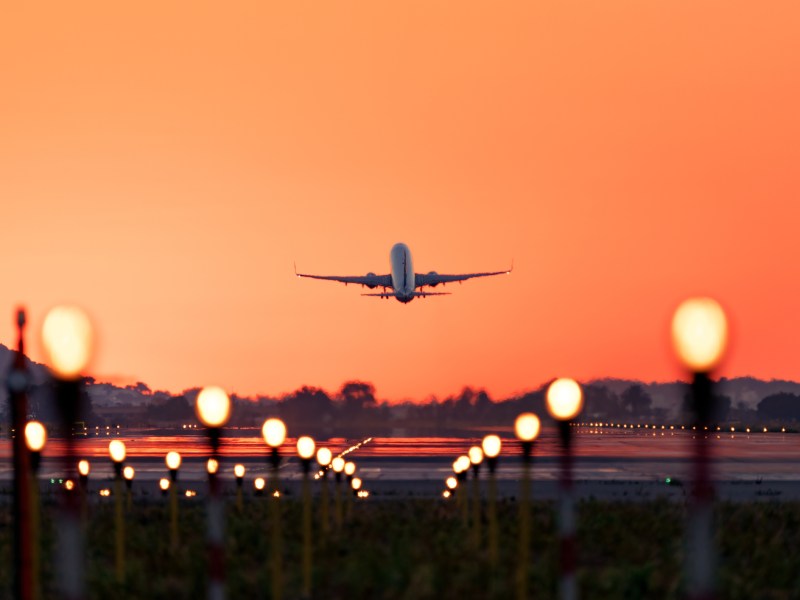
(238,471)
(173,460)
(128,473)
(67,340)
(213,406)
(274,432)
(117,451)
(35,436)
(338,464)
(212,466)
(700,334)
(349,468)
(491,446)
(564,399)
(527,427)
(451,482)
(475,455)
(305,447)
(356,483)
(163,483)
(324,457)
(84,467)
(259,483)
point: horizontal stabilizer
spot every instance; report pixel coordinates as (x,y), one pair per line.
(415,294)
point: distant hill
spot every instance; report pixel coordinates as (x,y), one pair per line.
(355,405)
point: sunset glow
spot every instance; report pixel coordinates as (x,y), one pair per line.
(165,168)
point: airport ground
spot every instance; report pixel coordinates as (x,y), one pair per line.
(413,548)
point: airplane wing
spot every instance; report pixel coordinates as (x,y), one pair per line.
(433,278)
(370,279)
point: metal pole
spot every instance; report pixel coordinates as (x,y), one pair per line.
(701,555)
(306,530)
(173,508)
(17,383)
(216,525)
(524,522)
(493,550)
(324,509)
(568,585)
(476,507)
(277,552)
(338,501)
(119,524)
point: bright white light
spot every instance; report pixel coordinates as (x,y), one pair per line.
(324,456)
(700,334)
(128,473)
(213,406)
(527,426)
(305,447)
(491,446)
(338,464)
(67,341)
(274,432)
(173,460)
(238,471)
(475,455)
(116,450)
(564,399)
(35,436)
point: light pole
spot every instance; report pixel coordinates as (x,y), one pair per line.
(324,457)
(128,473)
(117,453)
(259,483)
(475,455)
(67,342)
(274,433)
(238,472)
(564,403)
(213,408)
(337,464)
(305,450)
(35,439)
(460,468)
(83,475)
(163,485)
(18,383)
(526,428)
(491,449)
(699,337)
(173,462)
(349,471)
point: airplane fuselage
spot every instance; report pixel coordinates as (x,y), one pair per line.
(402,273)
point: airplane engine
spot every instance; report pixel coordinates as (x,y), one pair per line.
(433,274)
(372,287)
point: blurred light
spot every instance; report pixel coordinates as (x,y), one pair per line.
(475,455)
(259,483)
(564,399)
(276,494)
(349,468)
(446,494)
(163,483)
(173,460)
(305,447)
(105,492)
(699,334)
(451,482)
(213,406)
(128,473)
(491,446)
(35,436)
(526,427)
(191,493)
(338,464)
(274,432)
(84,467)
(324,457)
(238,471)
(461,464)
(117,451)
(356,483)
(212,466)
(69,485)
(67,341)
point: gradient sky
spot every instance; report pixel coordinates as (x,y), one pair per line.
(164,164)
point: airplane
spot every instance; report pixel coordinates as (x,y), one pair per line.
(402,279)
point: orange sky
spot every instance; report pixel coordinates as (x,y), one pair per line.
(164,164)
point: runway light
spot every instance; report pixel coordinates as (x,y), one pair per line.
(356,483)
(84,467)
(69,485)
(35,436)
(259,483)
(117,451)
(274,432)
(163,483)
(238,471)
(699,334)
(338,464)
(324,456)
(67,341)
(128,473)
(564,399)
(212,466)
(491,446)
(213,407)
(527,427)
(461,464)
(105,492)
(349,468)
(475,455)
(446,494)
(451,482)
(305,447)
(173,460)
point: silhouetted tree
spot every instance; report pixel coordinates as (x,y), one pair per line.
(636,401)
(780,406)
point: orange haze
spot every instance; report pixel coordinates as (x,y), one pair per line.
(164,164)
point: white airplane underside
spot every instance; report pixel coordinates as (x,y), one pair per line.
(402,281)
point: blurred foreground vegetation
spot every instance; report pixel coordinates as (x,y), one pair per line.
(417,549)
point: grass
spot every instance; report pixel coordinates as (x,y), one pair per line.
(404,549)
